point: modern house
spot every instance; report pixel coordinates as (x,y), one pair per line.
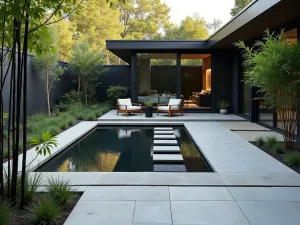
(204,72)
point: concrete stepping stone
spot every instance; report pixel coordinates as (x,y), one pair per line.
(164,132)
(165,142)
(166,149)
(164,137)
(163,128)
(167,158)
(169,168)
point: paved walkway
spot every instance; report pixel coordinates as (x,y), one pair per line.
(112,116)
(145,205)
(247,187)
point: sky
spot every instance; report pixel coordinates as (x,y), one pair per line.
(208,9)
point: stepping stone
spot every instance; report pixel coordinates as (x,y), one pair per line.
(166,149)
(164,132)
(163,128)
(167,158)
(165,142)
(169,168)
(164,137)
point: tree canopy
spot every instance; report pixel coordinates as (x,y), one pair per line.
(238,6)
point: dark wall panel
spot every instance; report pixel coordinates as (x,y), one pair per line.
(115,75)
(163,78)
(221,78)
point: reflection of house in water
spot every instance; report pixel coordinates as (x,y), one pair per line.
(106,162)
(126,133)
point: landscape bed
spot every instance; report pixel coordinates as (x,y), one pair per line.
(125,149)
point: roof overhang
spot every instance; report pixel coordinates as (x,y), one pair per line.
(258,16)
(125,48)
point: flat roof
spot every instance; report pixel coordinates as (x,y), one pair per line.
(249,24)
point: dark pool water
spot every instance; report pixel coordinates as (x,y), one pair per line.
(127,149)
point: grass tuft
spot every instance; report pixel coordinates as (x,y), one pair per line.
(292,158)
(6,213)
(45,212)
(260,141)
(271,141)
(60,191)
(278,149)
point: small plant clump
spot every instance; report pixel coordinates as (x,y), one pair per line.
(278,149)
(6,213)
(60,191)
(271,141)
(292,158)
(148,104)
(260,141)
(45,211)
(32,183)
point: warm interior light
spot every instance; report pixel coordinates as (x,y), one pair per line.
(208,79)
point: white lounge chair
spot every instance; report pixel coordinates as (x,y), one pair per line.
(125,106)
(174,106)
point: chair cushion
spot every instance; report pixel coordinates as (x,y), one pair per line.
(175,101)
(163,108)
(133,108)
(125,101)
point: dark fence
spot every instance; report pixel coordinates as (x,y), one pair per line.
(37,102)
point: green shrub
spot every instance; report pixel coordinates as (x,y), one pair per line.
(80,117)
(71,121)
(6,213)
(292,158)
(278,149)
(63,126)
(260,141)
(271,141)
(223,104)
(54,130)
(60,191)
(148,104)
(31,185)
(97,114)
(45,212)
(116,92)
(91,117)
(5,152)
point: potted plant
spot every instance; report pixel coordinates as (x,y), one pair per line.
(223,105)
(148,108)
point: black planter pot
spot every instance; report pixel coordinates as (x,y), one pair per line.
(148,111)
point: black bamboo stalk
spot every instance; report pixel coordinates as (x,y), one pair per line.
(25,49)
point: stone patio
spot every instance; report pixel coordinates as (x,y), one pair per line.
(247,186)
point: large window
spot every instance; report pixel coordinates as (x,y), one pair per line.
(157,76)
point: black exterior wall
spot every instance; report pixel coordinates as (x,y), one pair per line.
(36,97)
(221,83)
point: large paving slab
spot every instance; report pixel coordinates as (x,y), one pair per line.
(243,126)
(167,158)
(153,212)
(111,178)
(164,137)
(125,193)
(207,212)
(265,193)
(165,142)
(185,179)
(261,179)
(102,212)
(271,213)
(200,193)
(160,149)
